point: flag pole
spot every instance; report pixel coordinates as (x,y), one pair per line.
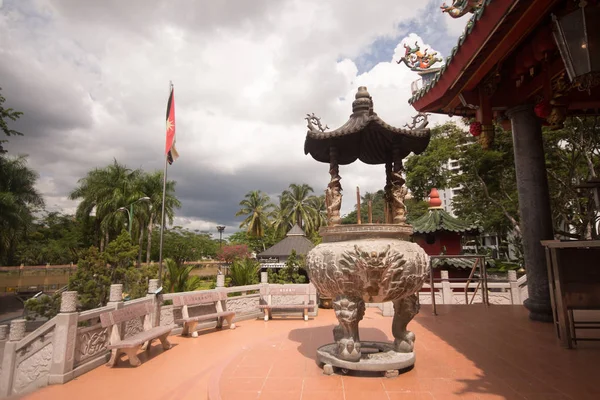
(162,218)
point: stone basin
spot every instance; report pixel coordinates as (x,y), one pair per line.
(368,263)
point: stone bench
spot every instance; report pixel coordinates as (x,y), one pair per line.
(285,297)
(141,340)
(213,305)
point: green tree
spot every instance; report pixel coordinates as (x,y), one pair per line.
(183,245)
(377,207)
(7,114)
(415,209)
(299,205)
(489,191)
(54,238)
(293,272)
(106,190)
(255,207)
(178,278)
(19,199)
(430,168)
(96,271)
(244,271)
(279,218)
(572,158)
(45,306)
(254,243)
(151,185)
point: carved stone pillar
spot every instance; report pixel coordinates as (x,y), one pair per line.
(333,193)
(116,293)
(152,286)
(3,332)
(388,193)
(17,330)
(534,207)
(264,277)
(68,302)
(220,280)
(398,190)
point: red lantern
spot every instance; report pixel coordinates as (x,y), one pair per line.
(543,109)
(475,128)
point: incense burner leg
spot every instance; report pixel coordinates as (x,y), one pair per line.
(404,311)
(349,312)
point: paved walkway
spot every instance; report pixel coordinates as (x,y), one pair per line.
(466,352)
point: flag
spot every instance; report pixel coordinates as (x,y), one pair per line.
(170,150)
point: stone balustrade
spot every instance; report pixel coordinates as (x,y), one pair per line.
(73,343)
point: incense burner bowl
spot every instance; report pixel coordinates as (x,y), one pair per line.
(368,263)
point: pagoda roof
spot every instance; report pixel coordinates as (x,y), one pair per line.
(295,239)
(365,136)
(462,263)
(439,220)
(492,33)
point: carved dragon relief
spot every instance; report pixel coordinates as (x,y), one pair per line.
(461,7)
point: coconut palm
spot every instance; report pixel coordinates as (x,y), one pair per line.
(151,185)
(256,208)
(319,211)
(105,190)
(18,198)
(279,217)
(298,203)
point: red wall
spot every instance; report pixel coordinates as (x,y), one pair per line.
(450,240)
(453,247)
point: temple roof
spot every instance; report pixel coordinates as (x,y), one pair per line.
(463,263)
(438,220)
(365,136)
(295,239)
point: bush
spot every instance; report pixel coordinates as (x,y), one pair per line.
(244,272)
(293,272)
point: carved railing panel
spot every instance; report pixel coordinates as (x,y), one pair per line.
(243,304)
(91,341)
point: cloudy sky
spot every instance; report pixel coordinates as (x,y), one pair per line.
(92,80)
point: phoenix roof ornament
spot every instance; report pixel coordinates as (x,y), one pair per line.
(418,60)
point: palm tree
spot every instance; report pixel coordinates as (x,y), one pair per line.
(151,185)
(256,208)
(106,190)
(18,198)
(280,220)
(179,278)
(298,203)
(319,211)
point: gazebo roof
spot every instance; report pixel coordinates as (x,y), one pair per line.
(295,239)
(365,136)
(439,220)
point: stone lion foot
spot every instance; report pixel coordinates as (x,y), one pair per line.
(405,342)
(404,311)
(348,349)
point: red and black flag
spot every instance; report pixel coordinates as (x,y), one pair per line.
(170,150)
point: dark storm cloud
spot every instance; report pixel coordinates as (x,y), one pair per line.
(210,195)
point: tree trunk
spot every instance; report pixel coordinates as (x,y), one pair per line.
(149,244)
(140,240)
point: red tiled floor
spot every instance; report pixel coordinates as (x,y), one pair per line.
(466,352)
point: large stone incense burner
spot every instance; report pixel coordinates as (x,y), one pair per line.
(368,262)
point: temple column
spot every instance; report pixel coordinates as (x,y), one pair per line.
(534,207)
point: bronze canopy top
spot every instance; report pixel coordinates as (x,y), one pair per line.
(365,136)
